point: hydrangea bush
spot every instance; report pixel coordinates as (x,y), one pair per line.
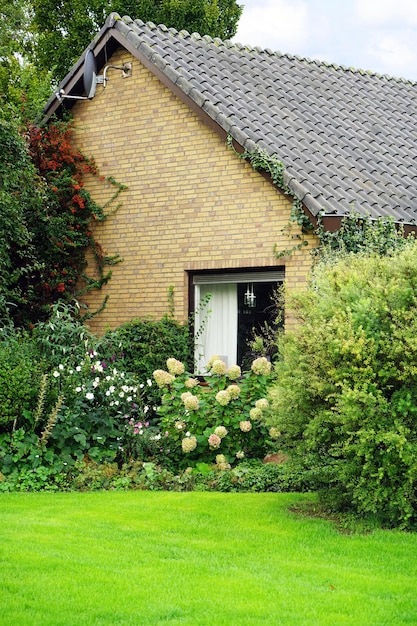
(218,419)
(98,413)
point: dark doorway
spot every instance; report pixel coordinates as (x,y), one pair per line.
(252,319)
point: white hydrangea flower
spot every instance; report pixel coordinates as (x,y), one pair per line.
(220,431)
(262,403)
(175,367)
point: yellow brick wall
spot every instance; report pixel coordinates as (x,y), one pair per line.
(191,203)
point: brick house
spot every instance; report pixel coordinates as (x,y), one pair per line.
(197,218)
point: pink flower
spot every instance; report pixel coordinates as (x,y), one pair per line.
(214,441)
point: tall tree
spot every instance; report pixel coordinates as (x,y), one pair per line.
(23,87)
(20,196)
(66,28)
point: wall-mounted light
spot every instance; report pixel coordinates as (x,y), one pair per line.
(249,298)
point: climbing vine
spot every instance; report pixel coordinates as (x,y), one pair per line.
(64,234)
(260,160)
(361,233)
(59,226)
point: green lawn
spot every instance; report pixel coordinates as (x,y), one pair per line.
(201,559)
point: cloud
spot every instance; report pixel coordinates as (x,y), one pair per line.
(386,12)
(274,22)
(389,35)
(379,35)
(393,52)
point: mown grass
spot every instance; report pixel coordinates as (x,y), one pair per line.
(198,559)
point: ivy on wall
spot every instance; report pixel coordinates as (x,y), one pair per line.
(261,161)
(65,233)
(46,222)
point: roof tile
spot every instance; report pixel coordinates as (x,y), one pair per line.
(346,137)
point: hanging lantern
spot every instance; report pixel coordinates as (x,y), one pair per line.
(249,298)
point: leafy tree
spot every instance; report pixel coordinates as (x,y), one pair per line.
(13,32)
(345,400)
(20,195)
(24,88)
(65,29)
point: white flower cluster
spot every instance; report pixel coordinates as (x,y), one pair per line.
(233,391)
(175,367)
(220,431)
(223,397)
(189,444)
(222,463)
(190,401)
(260,406)
(261,366)
(163,378)
(96,381)
(234,372)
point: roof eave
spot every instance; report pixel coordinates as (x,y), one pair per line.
(71,82)
(117,32)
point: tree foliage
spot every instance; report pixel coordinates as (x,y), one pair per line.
(24,87)
(20,197)
(65,29)
(346,397)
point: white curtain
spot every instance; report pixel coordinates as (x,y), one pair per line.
(215,324)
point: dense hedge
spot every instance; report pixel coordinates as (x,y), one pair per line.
(144,345)
(346,396)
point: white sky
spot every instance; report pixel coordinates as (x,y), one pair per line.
(377,35)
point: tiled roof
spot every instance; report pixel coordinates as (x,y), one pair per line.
(347,138)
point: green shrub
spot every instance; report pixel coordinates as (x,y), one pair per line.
(100,403)
(87,475)
(20,377)
(62,400)
(63,339)
(346,396)
(144,346)
(39,478)
(96,411)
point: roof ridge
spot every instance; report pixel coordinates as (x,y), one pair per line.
(340,132)
(229,44)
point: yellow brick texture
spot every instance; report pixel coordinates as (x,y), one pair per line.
(191,203)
